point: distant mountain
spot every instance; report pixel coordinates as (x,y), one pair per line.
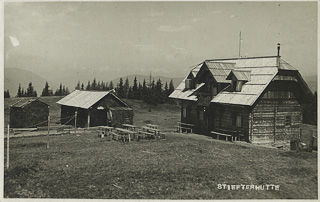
(14,76)
(140,78)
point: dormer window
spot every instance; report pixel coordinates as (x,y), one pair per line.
(188,84)
(238,78)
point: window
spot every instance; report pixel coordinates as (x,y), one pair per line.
(288,120)
(236,120)
(214,90)
(239,121)
(184,112)
(201,115)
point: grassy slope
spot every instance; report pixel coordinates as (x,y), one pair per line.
(181,167)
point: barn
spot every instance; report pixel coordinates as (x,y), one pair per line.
(94,108)
(29,114)
(257,99)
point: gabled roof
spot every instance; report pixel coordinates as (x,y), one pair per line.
(257,71)
(220,70)
(23,103)
(85,99)
(241,75)
(251,90)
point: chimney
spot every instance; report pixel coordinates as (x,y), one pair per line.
(278,55)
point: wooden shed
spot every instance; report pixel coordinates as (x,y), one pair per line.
(29,114)
(94,108)
(256,99)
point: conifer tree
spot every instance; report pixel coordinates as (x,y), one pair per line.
(126,88)
(88,86)
(6,94)
(111,85)
(78,86)
(135,89)
(120,90)
(46,91)
(19,94)
(30,91)
(94,84)
(171,87)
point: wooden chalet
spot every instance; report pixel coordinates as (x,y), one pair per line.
(254,99)
(94,108)
(29,114)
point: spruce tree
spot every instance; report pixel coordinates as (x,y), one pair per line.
(82,86)
(45,91)
(120,90)
(135,89)
(78,86)
(126,88)
(111,85)
(6,94)
(94,84)
(30,91)
(171,87)
(19,94)
(88,86)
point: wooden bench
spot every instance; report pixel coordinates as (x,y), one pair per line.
(184,126)
(236,134)
(114,135)
(222,134)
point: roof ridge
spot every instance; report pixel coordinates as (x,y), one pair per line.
(241,58)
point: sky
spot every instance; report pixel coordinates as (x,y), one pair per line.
(107,40)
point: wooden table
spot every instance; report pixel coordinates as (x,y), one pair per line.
(105,129)
(148,129)
(125,132)
(152,126)
(129,127)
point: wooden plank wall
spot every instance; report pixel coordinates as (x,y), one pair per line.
(222,118)
(269,121)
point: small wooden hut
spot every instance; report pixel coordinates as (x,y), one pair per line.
(94,108)
(29,114)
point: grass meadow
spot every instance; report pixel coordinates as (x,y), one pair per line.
(183,166)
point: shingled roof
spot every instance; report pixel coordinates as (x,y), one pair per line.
(85,99)
(257,72)
(23,103)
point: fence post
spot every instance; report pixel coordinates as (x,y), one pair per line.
(75,122)
(8,146)
(48,131)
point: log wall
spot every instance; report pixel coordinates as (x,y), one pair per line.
(270,124)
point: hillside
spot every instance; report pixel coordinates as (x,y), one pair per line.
(14,76)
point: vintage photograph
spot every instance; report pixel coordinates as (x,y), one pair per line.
(161,100)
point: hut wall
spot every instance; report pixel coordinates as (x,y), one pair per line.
(30,116)
(224,117)
(276,120)
(188,112)
(121,116)
(68,113)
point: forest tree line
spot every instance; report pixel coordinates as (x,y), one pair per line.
(152,92)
